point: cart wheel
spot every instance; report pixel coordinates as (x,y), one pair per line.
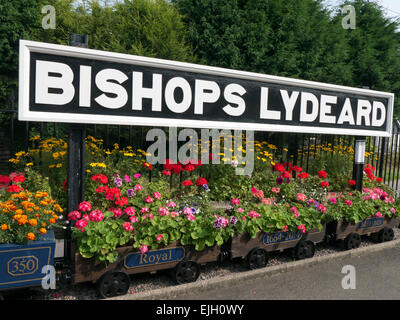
(257,258)
(187,271)
(304,249)
(113,283)
(386,234)
(352,241)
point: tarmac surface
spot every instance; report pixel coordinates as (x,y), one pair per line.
(370,273)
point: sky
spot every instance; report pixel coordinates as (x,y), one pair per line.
(392,7)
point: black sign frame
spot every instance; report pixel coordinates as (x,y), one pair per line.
(270,103)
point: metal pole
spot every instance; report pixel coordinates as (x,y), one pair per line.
(76,162)
(358,165)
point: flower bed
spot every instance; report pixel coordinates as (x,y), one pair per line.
(133,207)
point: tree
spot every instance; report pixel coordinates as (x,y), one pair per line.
(374,50)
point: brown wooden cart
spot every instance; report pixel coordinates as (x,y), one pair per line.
(113,279)
(256,250)
(349,233)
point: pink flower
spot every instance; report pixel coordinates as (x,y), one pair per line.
(240,210)
(145,209)
(333,200)
(393,210)
(157,195)
(126,178)
(235,201)
(174,214)
(378,214)
(127,226)
(187,211)
(301,197)
(322,208)
(159,237)
(129,211)
(295,212)
(96,215)
(191,217)
(148,199)
(117,212)
(348,202)
(143,248)
(133,219)
(81,224)
(253,190)
(243,218)
(285,228)
(74,215)
(276,190)
(253,214)
(85,217)
(85,206)
(137,176)
(137,187)
(171,204)
(163,211)
(302,228)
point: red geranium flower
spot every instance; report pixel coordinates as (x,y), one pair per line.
(379,179)
(14,188)
(101,178)
(121,202)
(187,183)
(324,184)
(303,175)
(112,194)
(200,181)
(352,182)
(169,165)
(279,167)
(4,181)
(18,178)
(177,168)
(322,174)
(297,168)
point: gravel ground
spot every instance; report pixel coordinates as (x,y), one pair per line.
(146,282)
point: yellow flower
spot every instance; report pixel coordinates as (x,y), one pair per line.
(29,164)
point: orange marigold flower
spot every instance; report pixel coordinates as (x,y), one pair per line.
(33,222)
(37,215)
(4,226)
(42,230)
(52,220)
(30,236)
(43,224)
(19,211)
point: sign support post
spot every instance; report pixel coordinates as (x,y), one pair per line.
(358,165)
(76,161)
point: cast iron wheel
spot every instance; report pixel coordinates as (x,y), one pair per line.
(114,283)
(304,249)
(386,234)
(352,241)
(187,271)
(257,258)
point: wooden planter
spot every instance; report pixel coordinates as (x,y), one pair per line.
(131,261)
(277,241)
(21,265)
(368,226)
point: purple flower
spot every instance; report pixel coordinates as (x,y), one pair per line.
(279,181)
(205,187)
(217,224)
(131,193)
(287,180)
(233,220)
(118,182)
